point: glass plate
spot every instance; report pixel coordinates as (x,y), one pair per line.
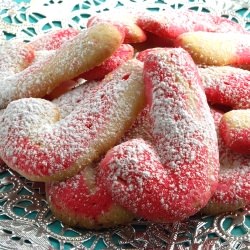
(25,220)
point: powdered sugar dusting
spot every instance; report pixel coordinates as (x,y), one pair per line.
(141,128)
(42,56)
(15,56)
(227,85)
(68,101)
(19,84)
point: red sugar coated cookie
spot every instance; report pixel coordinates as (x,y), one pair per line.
(124,53)
(233,190)
(125,23)
(174,179)
(217,49)
(82,201)
(234,130)
(53,40)
(38,145)
(227,85)
(172,23)
(85,51)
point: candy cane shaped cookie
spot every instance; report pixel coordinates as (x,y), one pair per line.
(87,50)
(176,177)
(41,147)
(217,49)
(172,23)
(83,201)
(234,130)
(227,85)
(233,190)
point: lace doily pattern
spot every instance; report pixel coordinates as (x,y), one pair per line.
(25,220)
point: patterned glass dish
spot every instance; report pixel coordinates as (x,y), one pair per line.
(25,220)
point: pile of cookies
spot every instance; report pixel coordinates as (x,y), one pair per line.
(145,115)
